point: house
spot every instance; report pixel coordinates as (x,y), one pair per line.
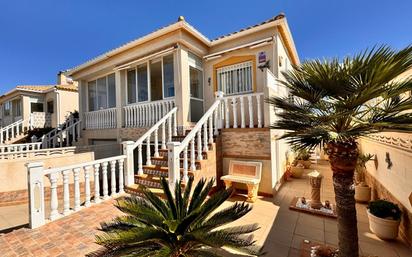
(125,91)
(36,106)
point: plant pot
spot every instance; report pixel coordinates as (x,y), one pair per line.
(297,171)
(385,229)
(306,164)
(362,193)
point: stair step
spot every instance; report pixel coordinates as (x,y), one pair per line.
(135,190)
(162,171)
(164,152)
(163,161)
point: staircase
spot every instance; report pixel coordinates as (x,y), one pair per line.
(13,132)
(159,166)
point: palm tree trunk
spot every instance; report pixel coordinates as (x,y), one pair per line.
(343,158)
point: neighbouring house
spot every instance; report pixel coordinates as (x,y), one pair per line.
(36,106)
(125,91)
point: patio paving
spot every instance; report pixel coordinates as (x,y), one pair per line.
(281,233)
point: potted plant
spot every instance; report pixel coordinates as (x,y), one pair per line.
(297,170)
(362,190)
(384,219)
(302,157)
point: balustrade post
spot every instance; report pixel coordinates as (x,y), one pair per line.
(128,151)
(121,176)
(210,129)
(163,136)
(199,145)
(148,153)
(205,141)
(259,111)
(54,201)
(156,143)
(169,129)
(242,112)
(227,115)
(76,179)
(174,124)
(113,178)
(105,181)
(185,178)
(173,164)
(192,155)
(139,161)
(87,185)
(36,194)
(66,192)
(250,105)
(96,183)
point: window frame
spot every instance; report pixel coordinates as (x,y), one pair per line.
(106,76)
(149,95)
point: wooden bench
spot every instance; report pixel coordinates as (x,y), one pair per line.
(245,172)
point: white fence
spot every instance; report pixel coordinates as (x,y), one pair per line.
(146,114)
(19,147)
(99,169)
(12,131)
(102,119)
(244,111)
(31,153)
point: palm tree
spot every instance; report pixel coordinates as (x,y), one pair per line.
(184,225)
(337,101)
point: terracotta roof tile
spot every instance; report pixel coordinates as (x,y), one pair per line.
(38,88)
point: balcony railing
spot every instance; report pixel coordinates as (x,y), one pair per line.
(146,114)
(101,119)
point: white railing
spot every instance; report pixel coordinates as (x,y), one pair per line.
(12,131)
(207,127)
(64,137)
(19,147)
(168,122)
(102,119)
(36,153)
(98,169)
(244,111)
(146,114)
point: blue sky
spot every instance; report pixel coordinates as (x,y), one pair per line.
(39,38)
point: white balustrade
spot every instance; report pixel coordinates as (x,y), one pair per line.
(168,120)
(402,141)
(234,109)
(37,174)
(64,135)
(12,155)
(146,114)
(12,131)
(19,147)
(101,119)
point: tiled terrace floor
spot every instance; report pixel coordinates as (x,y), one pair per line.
(281,233)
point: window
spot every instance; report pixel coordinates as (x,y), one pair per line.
(36,107)
(156,80)
(131,86)
(137,84)
(168,76)
(6,109)
(16,107)
(102,93)
(235,79)
(50,107)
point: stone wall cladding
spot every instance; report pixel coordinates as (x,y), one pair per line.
(253,142)
(380,192)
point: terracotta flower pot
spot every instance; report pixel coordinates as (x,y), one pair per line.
(385,229)
(297,171)
(362,193)
(306,164)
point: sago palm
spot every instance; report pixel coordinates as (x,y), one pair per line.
(336,102)
(184,225)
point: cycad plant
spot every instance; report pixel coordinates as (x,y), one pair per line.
(336,101)
(185,224)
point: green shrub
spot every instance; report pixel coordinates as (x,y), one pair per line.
(385,209)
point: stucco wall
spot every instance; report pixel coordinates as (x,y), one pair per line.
(13,174)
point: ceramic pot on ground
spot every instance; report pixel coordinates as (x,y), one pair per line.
(297,171)
(362,193)
(385,229)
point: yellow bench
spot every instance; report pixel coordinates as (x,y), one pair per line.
(245,172)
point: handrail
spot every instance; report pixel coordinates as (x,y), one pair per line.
(154,127)
(91,163)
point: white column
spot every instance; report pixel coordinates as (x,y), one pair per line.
(234,108)
(76,173)
(227,115)
(185,164)
(242,113)
(199,145)
(54,202)
(205,141)
(156,143)
(163,135)
(96,183)
(192,155)
(105,182)
(148,153)
(35,177)
(113,178)
(121,175)
(139,160)
(66,192)
(129,152)
(174,165)
(87,185)
(259,111)
(250,104)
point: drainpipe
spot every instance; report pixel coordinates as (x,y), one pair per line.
(57,108)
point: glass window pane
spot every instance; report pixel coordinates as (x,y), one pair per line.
(50,107)
(131,86)
(36,107)
(92,96)
(156,81)
(235,79)
(6,109)
(111,86)
(168,76)
(196,83)
(142,83)
(101,93)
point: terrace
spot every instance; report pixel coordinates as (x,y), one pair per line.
(282,232)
